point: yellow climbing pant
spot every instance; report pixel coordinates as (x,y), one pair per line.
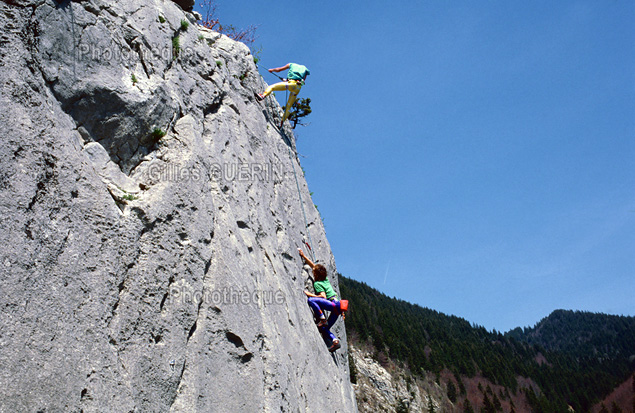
(292,86)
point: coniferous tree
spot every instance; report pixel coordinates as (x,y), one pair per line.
(462,388)
(352,368)
(488,407)
(452,391)
(497,404)
(301,108)
(615,408)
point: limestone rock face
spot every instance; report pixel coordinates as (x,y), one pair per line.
(150,221)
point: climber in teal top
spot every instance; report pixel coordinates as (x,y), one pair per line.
(325,299)
(295,80)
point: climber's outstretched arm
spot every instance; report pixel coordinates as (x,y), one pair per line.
(280,69)
(306,259)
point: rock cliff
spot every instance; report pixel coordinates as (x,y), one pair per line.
(393,388)
(150,220)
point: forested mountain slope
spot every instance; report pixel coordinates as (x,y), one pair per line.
(569,359)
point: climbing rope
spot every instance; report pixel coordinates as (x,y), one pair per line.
(295,175)
(279,77)
(308,233)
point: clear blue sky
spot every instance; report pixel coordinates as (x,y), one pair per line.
(476,158)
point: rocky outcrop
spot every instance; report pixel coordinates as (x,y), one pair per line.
(150,220)
(392,388)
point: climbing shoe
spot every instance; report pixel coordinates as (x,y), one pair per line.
(335,345)
(260,96)
(322,322)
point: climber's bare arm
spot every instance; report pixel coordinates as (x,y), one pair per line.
(280,69)
(306,259)
(321,295)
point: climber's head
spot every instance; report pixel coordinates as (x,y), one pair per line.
(319,272)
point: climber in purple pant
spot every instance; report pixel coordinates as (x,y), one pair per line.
(318,304)
(325,300)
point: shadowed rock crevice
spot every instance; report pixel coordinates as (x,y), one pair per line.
(46,178)
(128,131)
(234,339)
